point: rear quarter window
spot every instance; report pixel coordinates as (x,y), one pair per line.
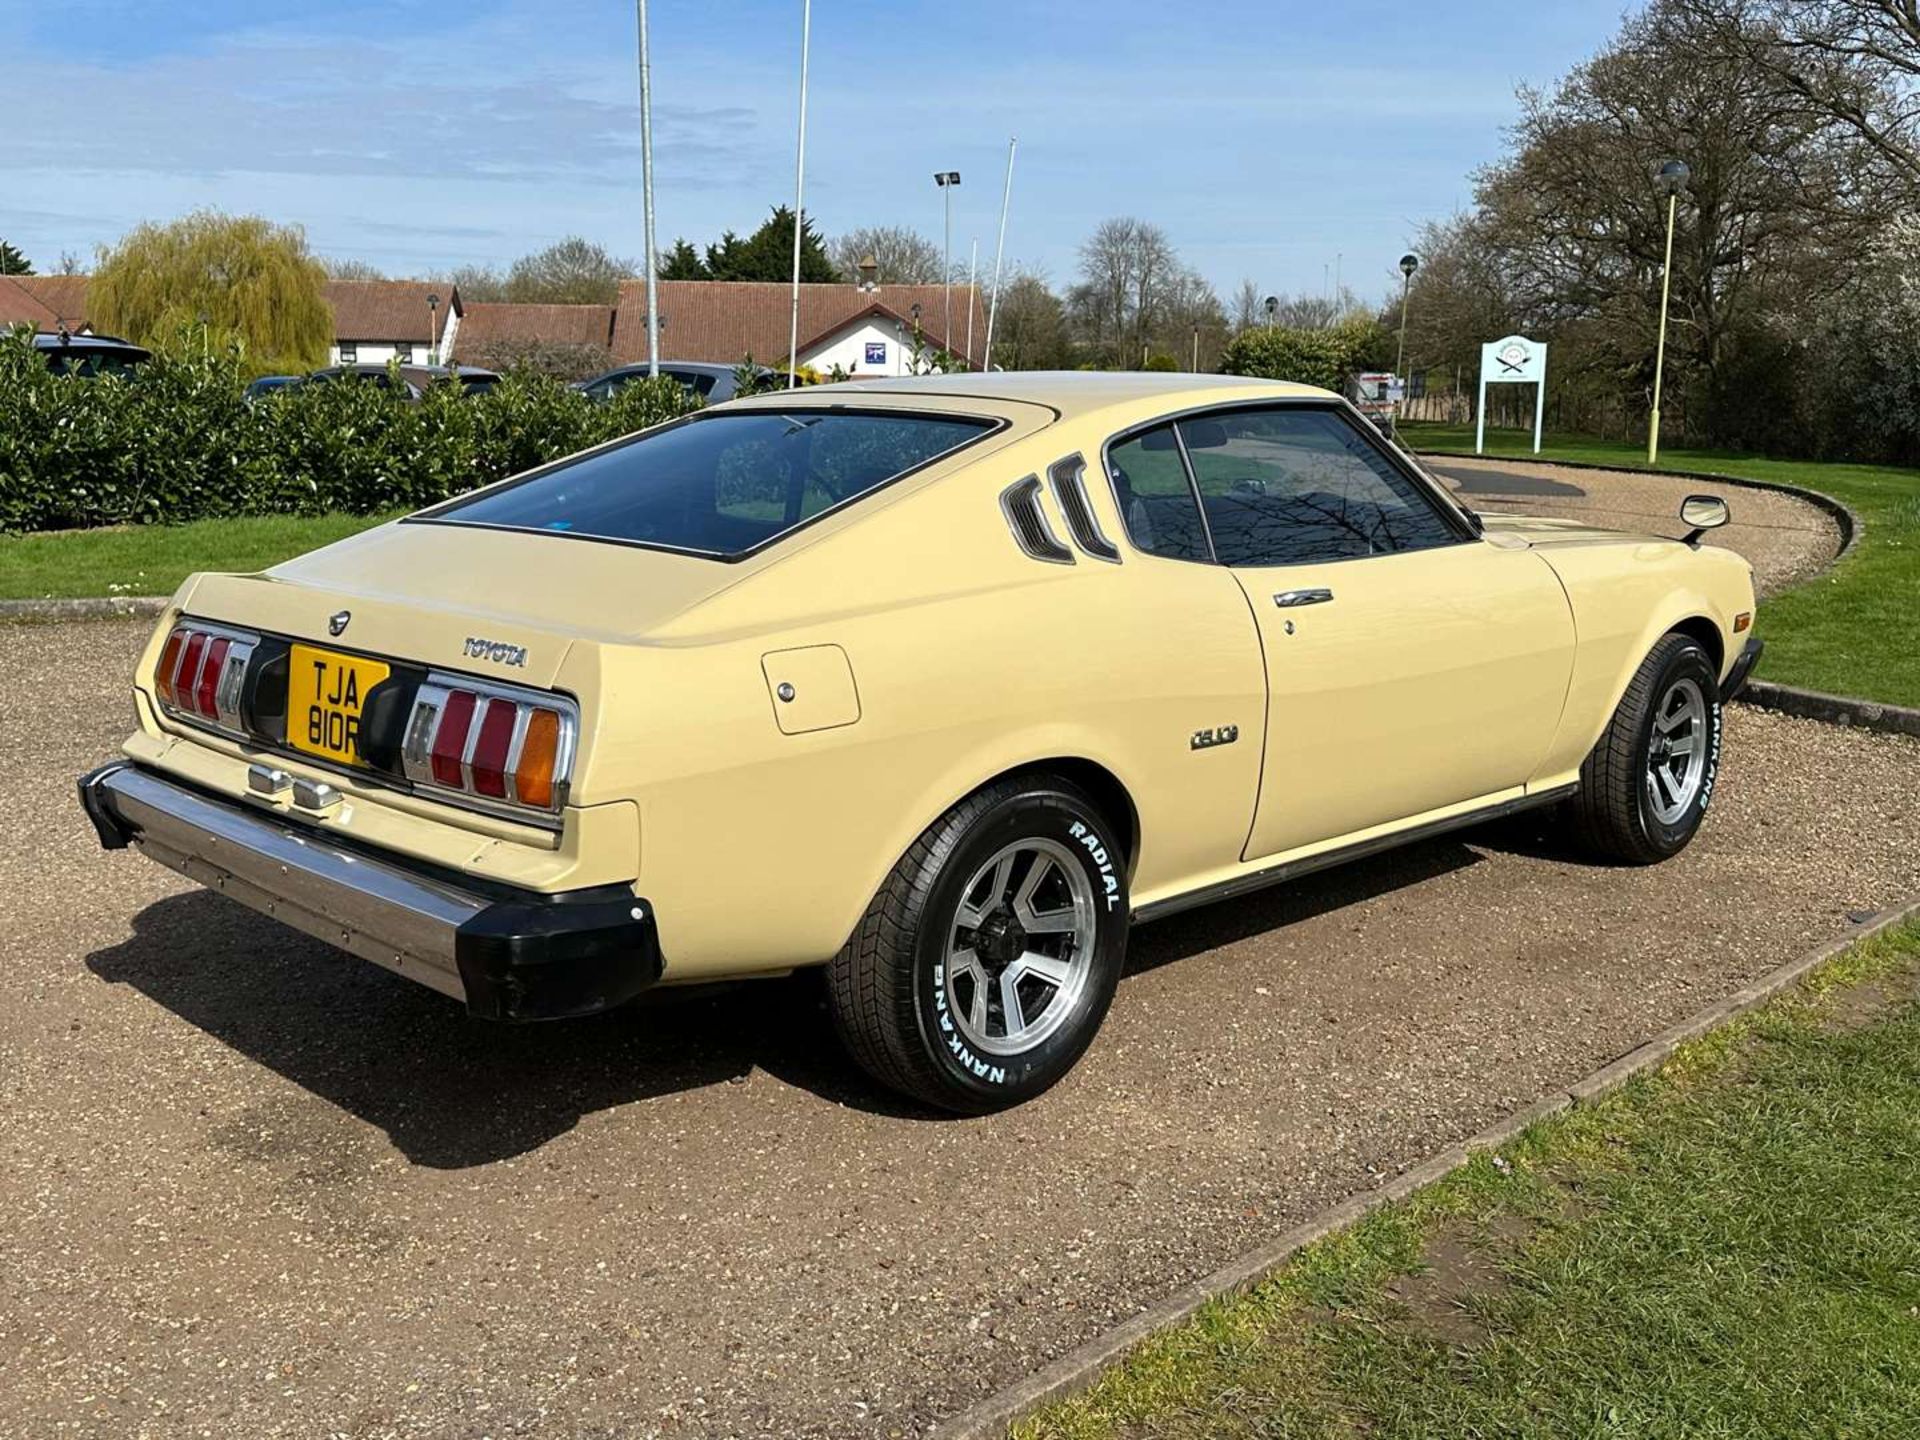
(721,485)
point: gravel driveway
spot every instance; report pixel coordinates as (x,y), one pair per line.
(251,1187)
(1787,539)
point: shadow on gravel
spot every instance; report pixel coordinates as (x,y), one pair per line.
(1290,903)
(452,1092)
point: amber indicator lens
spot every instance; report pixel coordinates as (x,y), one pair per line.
(538,754)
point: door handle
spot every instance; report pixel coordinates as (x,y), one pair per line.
(1287,599)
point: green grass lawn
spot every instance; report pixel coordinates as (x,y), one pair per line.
(1854,630)
(154,559)
(1727,1248)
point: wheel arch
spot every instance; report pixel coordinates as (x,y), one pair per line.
(1705,633)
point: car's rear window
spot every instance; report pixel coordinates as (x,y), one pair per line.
(723,484)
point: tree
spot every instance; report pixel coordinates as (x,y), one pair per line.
(1249,307)
(12,262)
(904,256)
(767,254)
(348,269)
(1030,327)
(1854,62)
(482,284)
(574,271)
(1780,205)
(1123,267)
(242,276)
(683,262)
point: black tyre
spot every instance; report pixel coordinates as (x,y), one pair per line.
(1645,788)
(982,969)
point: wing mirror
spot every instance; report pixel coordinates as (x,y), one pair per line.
(1702,513)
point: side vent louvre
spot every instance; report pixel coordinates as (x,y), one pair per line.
(1070,489)
(1020,503)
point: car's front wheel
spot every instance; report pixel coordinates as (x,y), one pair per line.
(985,964)
(1646,786)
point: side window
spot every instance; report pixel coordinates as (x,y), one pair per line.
(1150,485)
(1294,486)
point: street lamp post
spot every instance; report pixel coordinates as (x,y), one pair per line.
(1272,306)
(946,180)
(1672,179)
(433,345)
(1408,264)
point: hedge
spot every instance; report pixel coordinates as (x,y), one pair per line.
(179,442)
(1309,357)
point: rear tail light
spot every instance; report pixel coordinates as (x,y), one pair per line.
(495,744)
(201,673)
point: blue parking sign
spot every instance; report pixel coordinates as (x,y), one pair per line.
(876,352)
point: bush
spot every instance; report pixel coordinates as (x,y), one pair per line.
(179,442)
(1308,357)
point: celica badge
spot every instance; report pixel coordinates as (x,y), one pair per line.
(1217,735)
(498,651)
(337,622)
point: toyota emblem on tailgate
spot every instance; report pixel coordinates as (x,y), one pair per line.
(337,621)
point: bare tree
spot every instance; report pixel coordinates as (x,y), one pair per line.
(573,271)
(904,257)
(1123,266)
(1855,62)
(348,269)
(1032,331)
(1249,307)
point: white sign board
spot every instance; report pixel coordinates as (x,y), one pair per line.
(1515,360)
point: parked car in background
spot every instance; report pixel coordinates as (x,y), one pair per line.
(268,384)
(415,380)
(711,383)
(940,684)
(90,355)
(470,378)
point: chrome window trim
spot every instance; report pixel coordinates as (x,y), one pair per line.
(1451,511)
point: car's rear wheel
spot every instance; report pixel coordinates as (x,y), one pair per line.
(985,964)
(1646,786)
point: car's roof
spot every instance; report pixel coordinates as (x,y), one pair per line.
(44,341)
(1070,393)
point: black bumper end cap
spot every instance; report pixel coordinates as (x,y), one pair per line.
(553,960)
(113,835)
(1743,667)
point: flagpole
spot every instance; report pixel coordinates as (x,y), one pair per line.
(646,173)
(799,197)
(999,250)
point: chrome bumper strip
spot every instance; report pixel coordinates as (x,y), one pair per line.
(379,912)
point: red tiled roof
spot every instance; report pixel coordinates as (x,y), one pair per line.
(376,310)
(724,321)
(483,324)
(45,302)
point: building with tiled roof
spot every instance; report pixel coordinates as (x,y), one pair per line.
(863,330)
(375,321)
(47,302)
(491,331)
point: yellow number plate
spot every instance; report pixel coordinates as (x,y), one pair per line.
(325,693)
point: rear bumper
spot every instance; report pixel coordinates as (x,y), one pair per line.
(509,954)
(1742,668)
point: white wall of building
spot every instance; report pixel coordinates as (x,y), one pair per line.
(849,349)
(379,352)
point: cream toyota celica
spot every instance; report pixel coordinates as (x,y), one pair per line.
(940,684)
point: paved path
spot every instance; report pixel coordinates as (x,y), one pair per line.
(251,1187)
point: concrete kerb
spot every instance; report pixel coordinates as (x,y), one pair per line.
(110,607)
(1080,1367)
(1833,709)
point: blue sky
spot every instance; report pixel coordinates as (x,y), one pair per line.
(1265,138)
